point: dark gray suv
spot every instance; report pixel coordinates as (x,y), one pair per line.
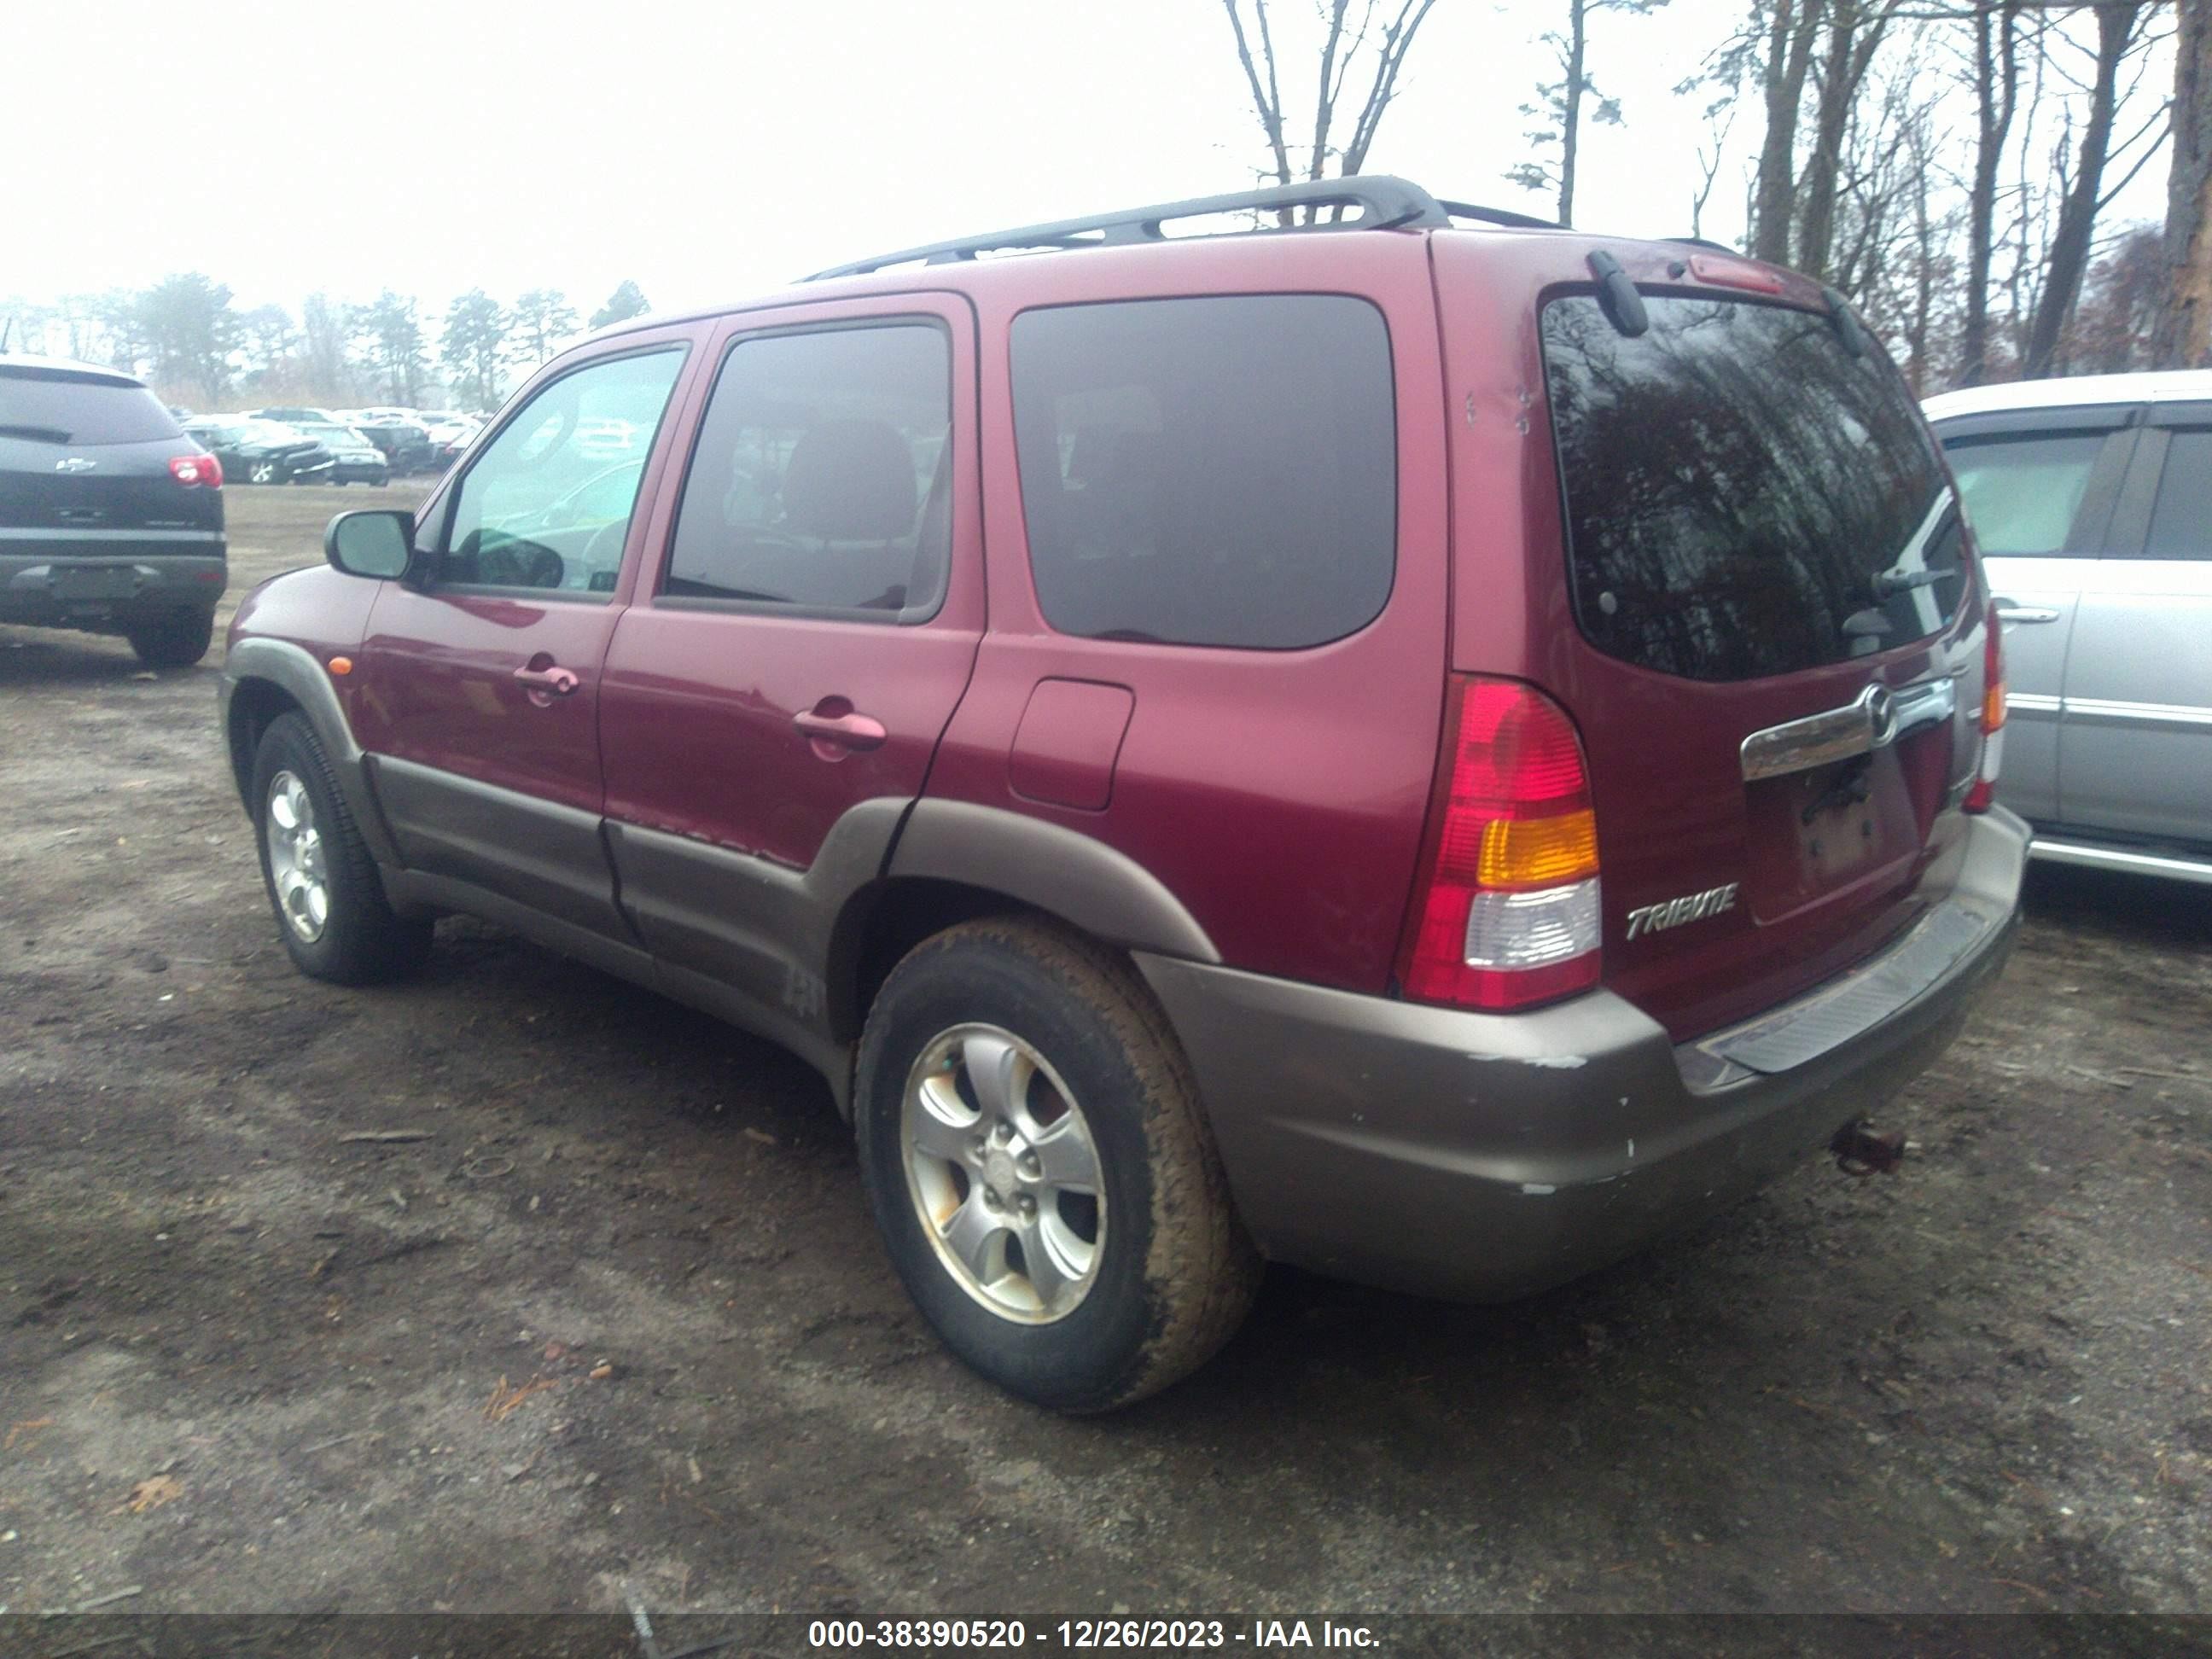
(111,519)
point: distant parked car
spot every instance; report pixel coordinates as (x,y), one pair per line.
(110,517)
(354,458)
(449,439)
(2092,501)
(405,444)
(605,440)
(293,416)
(260,452)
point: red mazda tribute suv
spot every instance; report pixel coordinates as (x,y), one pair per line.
(1415,743)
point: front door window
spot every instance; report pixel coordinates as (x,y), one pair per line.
(547,505)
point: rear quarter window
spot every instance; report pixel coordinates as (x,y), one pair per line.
(65,409)
(1744,497)
(1208,471)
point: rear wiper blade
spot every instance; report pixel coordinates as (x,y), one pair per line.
(1889,582)
(52,434)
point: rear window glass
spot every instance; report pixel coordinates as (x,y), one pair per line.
(1744,497)
(2023,495)
(1209,472)
(63,409)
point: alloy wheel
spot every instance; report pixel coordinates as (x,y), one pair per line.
(1003,1174)
(296,868)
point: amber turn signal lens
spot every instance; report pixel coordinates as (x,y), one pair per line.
(1538,852)
(341,666)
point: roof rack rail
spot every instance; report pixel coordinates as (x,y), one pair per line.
(1490,216)
(1384,203)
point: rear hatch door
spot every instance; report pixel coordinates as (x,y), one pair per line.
(1752,592)
(84,469)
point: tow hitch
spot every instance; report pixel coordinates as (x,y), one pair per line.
(1861,1150)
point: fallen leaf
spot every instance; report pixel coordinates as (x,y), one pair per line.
(505,1399)
(151,1493)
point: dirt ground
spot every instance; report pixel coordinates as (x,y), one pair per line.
(620,1316)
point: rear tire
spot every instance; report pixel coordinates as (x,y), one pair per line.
(263,472)
(176,641)
(321,879)
(1004,1064)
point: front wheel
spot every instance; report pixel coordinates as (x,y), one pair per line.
(330,909)
(1040,1170)
(264,472)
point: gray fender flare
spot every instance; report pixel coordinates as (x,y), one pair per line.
(293,671)
(1104,892)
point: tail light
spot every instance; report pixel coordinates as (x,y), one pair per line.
(1984,794)
(204,470)
(1506,910)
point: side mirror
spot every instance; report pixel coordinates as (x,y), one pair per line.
(374,543)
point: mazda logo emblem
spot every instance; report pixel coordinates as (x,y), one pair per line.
(1881,714)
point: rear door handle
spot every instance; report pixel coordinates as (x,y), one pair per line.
(831,732)
(2009,611)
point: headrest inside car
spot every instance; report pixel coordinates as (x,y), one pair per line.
(850,480)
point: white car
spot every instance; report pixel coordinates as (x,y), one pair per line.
(2091,500)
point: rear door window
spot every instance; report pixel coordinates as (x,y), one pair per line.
(1744,497)
(63,409)
(1208,471)
(823,475)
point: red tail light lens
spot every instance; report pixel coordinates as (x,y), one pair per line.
(1984,794)
(1506,911)
(202,470)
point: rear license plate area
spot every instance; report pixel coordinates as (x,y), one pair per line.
(1820,832)
(77,584)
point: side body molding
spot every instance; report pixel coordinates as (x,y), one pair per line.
(752,935)
(1103,892)
(293,669)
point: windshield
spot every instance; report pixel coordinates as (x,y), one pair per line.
(1744,497)
(63,408)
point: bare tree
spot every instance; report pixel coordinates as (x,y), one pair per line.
(1996,95)
(1792,30)
(1385,38)
(1561,104)
(2120,30)
(2110,329)
(1708,165)
(1853,32)
(2185,323)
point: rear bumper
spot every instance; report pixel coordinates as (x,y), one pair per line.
(106,585)
(1482,1157)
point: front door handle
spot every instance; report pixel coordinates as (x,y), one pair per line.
(831,734)
(560,682)
(2011,610)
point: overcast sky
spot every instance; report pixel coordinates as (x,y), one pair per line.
(712,149)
